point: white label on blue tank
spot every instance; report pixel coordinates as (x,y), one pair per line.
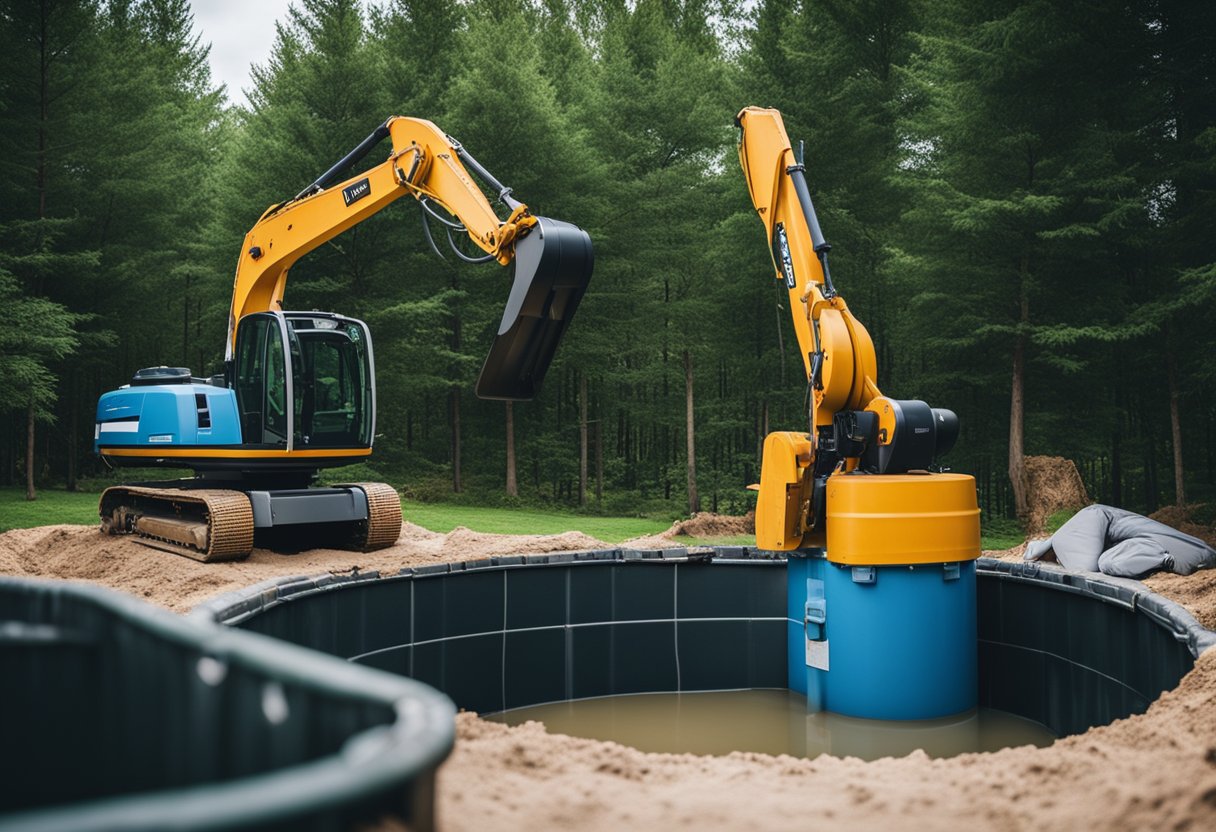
(817,654)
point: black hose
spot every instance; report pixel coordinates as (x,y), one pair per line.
(362,149)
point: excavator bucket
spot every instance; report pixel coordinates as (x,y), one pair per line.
(552,268)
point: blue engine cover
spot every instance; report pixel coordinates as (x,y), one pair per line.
(167,414)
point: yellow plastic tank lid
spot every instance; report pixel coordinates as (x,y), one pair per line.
(902,519)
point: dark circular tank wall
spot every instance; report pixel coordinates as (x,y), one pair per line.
(1069,651)
(120,715)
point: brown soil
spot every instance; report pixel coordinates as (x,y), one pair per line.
(1182,518)
(708,524)
(1053,484)
(1155,771)
(176,582)
(703,524)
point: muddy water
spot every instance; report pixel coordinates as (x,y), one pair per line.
(771,722)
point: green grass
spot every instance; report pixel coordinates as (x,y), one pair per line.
(720,540)
(53,507)
(441,517)
(1059,518)
(1000,533)
(50,508)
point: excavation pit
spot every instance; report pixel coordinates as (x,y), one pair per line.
(1063,650)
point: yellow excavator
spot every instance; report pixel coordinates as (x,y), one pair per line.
(298,390)
(882,541)
(863,452)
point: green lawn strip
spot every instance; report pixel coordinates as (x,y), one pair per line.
(80,507)
(440,517)
(50,508)
(717,540)
(997,542)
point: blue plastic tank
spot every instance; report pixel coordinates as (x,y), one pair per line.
(882,642)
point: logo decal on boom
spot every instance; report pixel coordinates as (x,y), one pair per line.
(356,192)
(781,255)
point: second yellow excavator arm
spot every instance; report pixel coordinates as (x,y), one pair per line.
(837,352)
(424,163)
(852,426)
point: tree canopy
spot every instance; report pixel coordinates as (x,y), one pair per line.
(1020,196)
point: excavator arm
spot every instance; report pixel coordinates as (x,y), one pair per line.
(852,426)
(552,260)
(836,349)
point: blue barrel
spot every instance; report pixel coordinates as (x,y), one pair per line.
(882,642)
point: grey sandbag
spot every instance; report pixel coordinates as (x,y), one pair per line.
(1117,542)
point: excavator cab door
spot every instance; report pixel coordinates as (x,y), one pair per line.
(262,380)
(552,267)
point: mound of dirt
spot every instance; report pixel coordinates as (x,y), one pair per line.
(1053,483)
(703,524)
(178,583)
(1182,518)
(708,524)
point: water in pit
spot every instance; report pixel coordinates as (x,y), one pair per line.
(771,722)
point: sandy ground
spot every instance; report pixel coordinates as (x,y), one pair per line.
(178,583)
(1153,771)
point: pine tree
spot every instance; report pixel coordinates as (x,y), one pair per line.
(1017,186)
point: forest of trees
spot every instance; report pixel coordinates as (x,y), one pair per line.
(1020,195)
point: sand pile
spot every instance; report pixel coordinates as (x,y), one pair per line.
(84,553)
(708,524)
(1053,483)
(703,524)
(1183,519)
(1156,771)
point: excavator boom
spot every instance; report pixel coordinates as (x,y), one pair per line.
(548,280)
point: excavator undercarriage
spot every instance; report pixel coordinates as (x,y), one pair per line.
(213,524)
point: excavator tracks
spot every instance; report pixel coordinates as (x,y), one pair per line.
(211,525)
(208,525)
(383,515)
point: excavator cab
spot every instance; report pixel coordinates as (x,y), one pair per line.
(304,380)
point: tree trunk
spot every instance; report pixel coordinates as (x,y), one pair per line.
(73,433)
(512,485)
(1171,364)
(454,391)
(582,439)
(454,417)
(694,500)
(1017,456)
(30,493)
(599,460)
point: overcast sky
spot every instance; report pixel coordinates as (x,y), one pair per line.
(241,33)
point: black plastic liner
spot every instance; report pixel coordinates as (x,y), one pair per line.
(1072,650)
(1069,651)
(119,715)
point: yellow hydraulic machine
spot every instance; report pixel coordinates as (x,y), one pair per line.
(882,542)
(298,391)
